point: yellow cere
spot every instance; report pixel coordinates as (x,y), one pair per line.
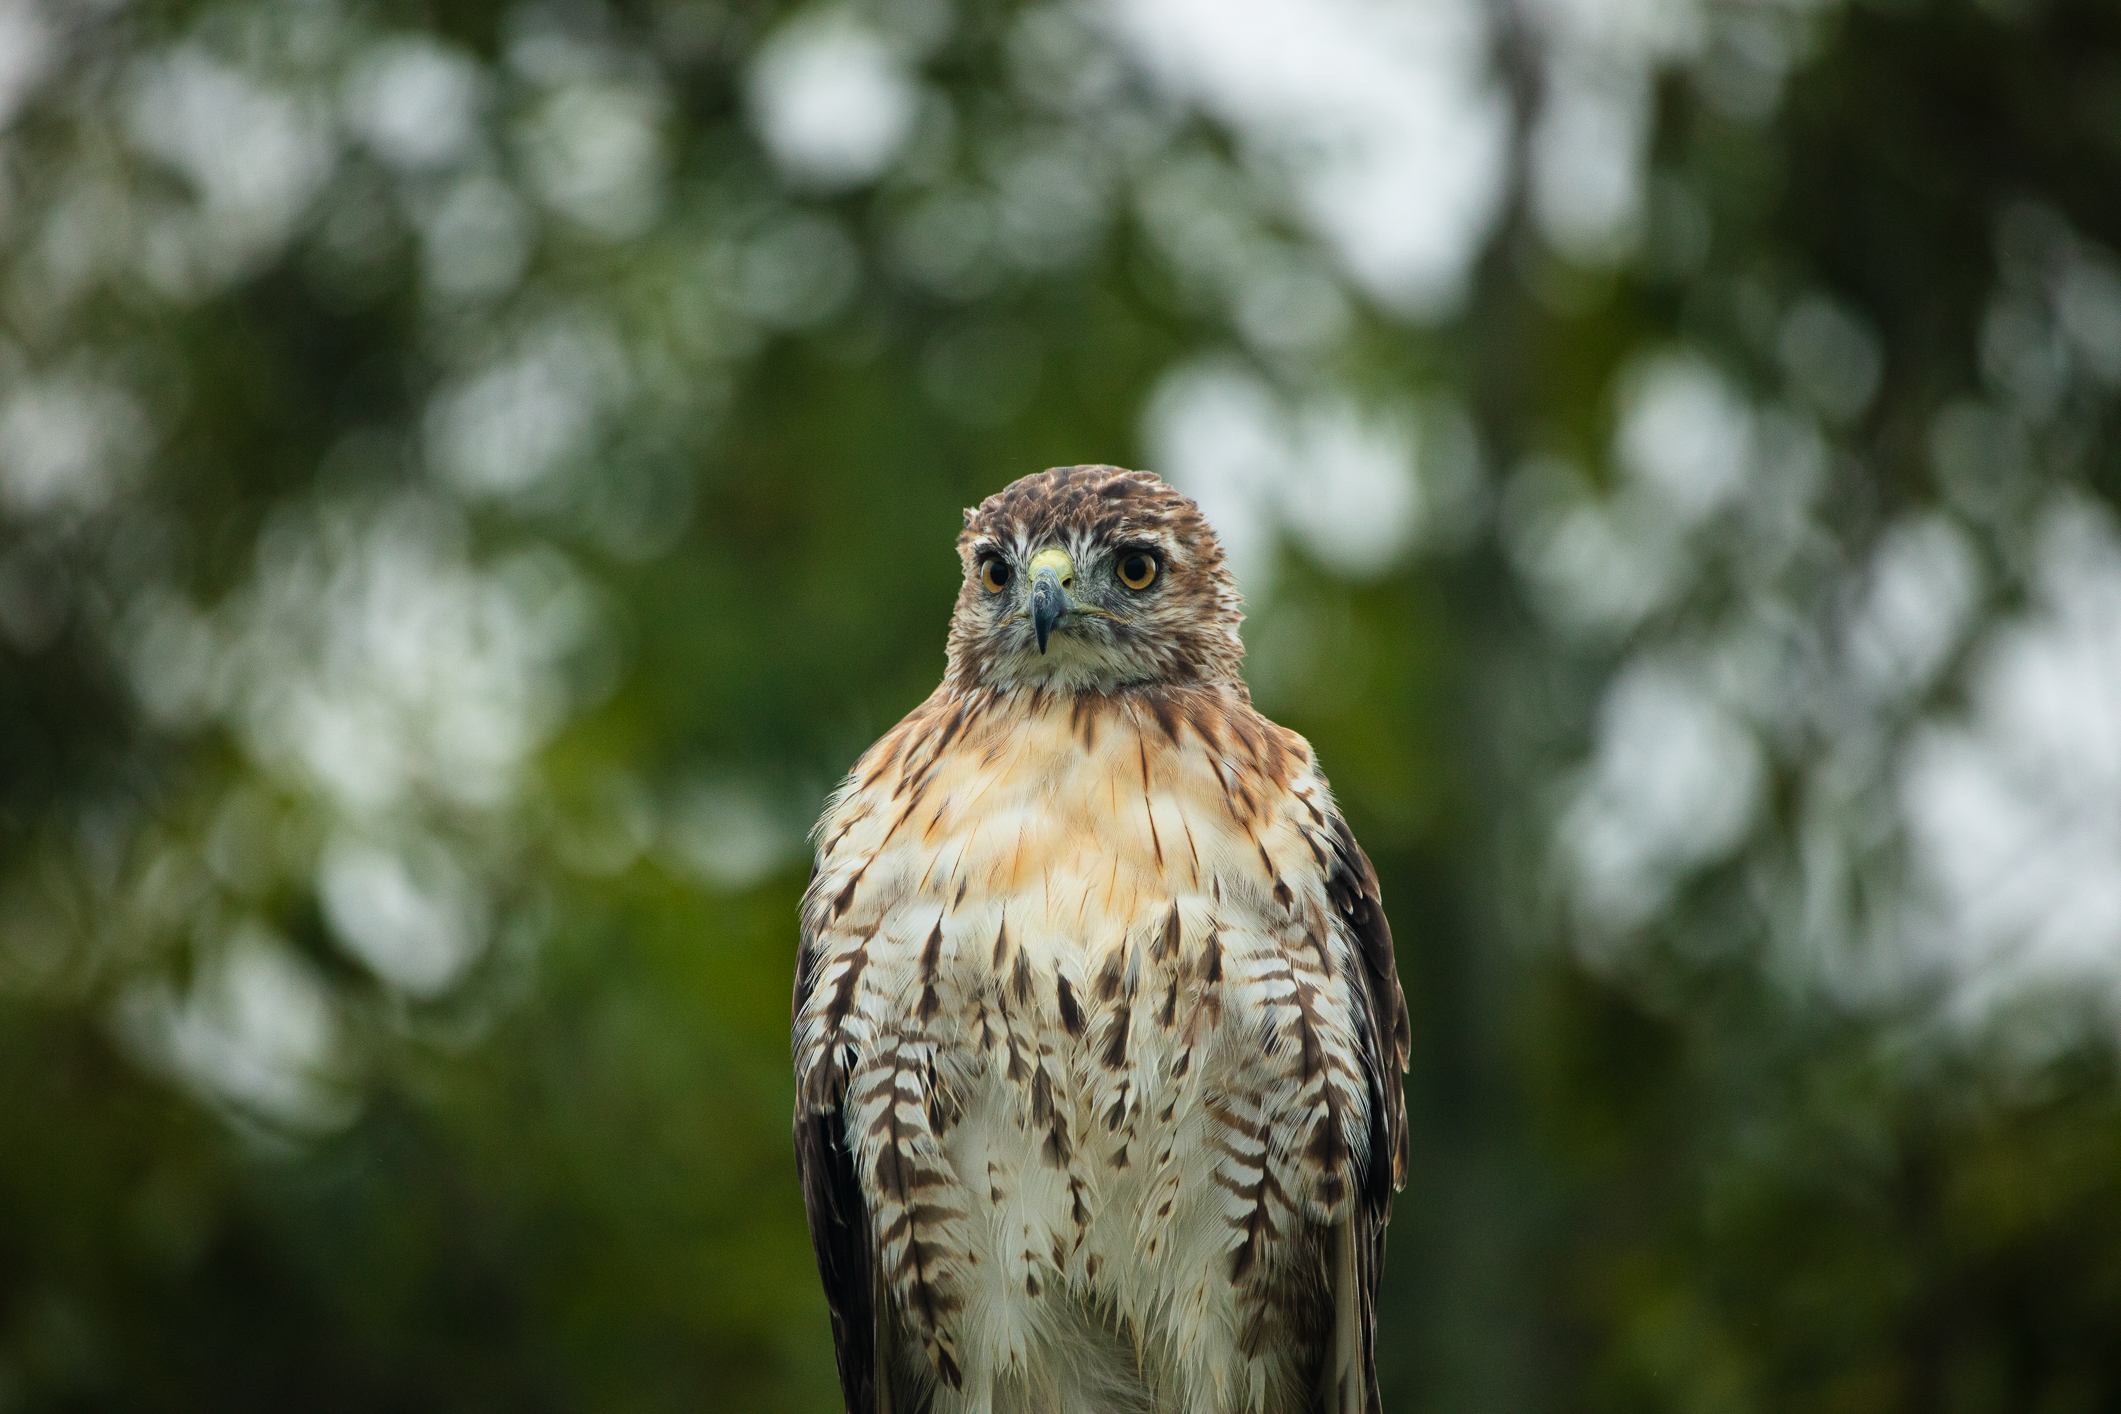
(1056,558)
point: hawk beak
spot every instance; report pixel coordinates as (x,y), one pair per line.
(1052,572)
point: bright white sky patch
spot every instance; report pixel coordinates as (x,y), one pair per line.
(371,662)
(832,99)
(1674,783)
(65,444)
(1587,162)
(595,154)
(1588,149)
(1685,432)
(2015,816)
(1381,117)
(475,240)
(1215,433)
(505,429)
(417,921)
(25,52)
(415,101)
(1341,479)
(1924,579)
(255,1030)
(1349,493)
(1599,564)
(255,156)
(378,671)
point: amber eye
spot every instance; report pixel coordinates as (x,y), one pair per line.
(1137,570)
(994,575)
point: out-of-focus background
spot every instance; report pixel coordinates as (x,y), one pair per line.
(473,475)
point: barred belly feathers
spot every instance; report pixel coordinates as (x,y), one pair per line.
(1097,1029)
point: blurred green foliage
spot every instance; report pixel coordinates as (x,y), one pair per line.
(299,672)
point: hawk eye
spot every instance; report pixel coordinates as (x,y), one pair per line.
(1137,569)
(994,575)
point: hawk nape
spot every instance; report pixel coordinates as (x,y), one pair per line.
(1098,1033)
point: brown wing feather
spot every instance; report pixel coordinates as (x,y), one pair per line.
(839,1231)
(1385,1040)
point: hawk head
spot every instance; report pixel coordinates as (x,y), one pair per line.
(1092,578)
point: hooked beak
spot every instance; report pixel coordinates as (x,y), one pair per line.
(1052,572)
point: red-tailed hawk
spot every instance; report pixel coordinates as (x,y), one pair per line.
(1098,1034)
